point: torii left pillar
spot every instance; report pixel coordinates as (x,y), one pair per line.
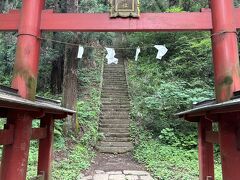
(15,156)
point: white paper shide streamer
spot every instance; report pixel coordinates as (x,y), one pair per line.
(110,56)
(80,52)
(162,50)
(138,50)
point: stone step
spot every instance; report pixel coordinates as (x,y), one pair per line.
(111,66)
(114,150)
(116,87)
(115,84)
(114,117)
(114,125)
(107,74)
(116,139)
(115,79)
(113,72)
(114,130)
(114,103)
(119,135)
(116,69)
(115,121)
(115,98)
(115,113)
(115,144)
(115,106)
(118,66)
(115,93)
(113,76)
(116,90)
(115,109)
(121,68)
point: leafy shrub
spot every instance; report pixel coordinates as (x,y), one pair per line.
(69,168)
(180,140)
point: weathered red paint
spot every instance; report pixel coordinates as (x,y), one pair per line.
(100,22)
(15,156)
(225,49)
(212,137)
(205,150)
(6,135)
(147,22)
(45,149)
(28,49)
(230,154)
(39,133)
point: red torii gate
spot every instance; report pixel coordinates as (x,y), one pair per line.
(222,20)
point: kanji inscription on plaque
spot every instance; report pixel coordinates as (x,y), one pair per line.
(124,8)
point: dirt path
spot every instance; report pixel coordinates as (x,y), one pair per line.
(115,167)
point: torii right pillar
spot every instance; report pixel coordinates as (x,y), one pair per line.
(227,81)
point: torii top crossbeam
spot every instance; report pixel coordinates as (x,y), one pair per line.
(100,22)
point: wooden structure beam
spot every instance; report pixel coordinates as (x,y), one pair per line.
(100,22)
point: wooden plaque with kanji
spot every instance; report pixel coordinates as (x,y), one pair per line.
(124,8)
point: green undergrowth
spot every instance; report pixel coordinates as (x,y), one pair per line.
(166,145)
(68,161)
(78,159)
(165,161)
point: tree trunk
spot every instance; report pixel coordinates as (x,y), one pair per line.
(57,75)
(173,3)
(2,5)
(70,75)
(186,5)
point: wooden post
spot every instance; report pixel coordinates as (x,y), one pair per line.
(15,156)
(225,49)
(205,151)
(45,148)
(28,49)
(229,146)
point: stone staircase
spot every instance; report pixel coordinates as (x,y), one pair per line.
(114,119)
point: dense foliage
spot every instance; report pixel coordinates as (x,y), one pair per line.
(161,88)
